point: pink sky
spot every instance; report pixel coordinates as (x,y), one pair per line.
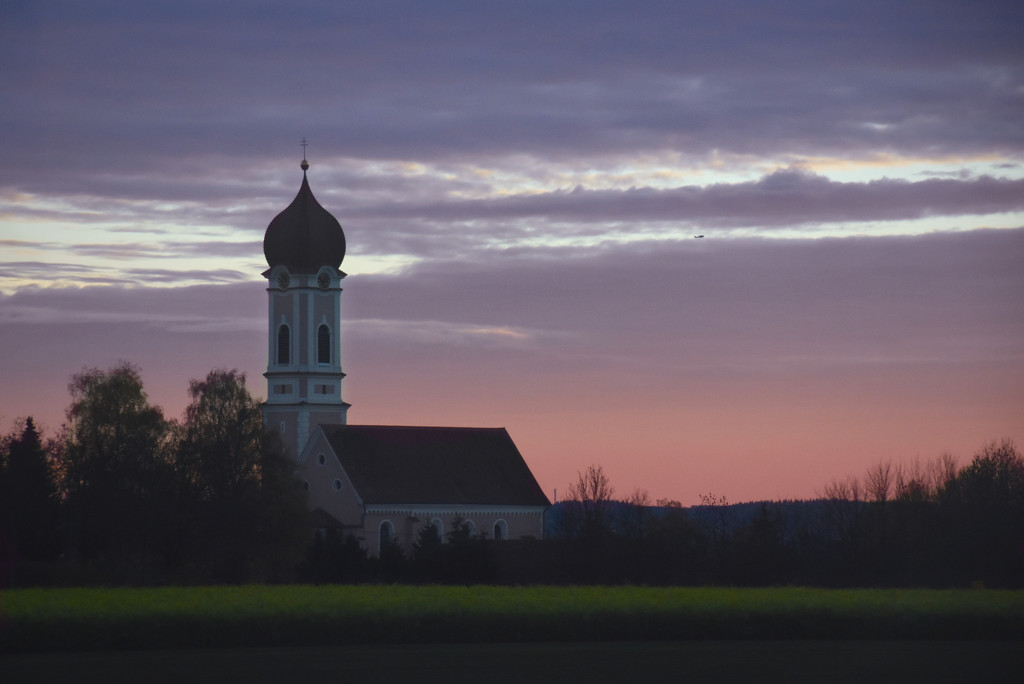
(520,188)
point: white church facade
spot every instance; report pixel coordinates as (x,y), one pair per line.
(381,484)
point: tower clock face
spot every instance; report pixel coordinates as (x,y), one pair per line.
(283,281)
(323,280)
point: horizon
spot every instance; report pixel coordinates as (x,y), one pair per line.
(521,189)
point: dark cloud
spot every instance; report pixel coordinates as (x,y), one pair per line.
(789,197)
(404,80)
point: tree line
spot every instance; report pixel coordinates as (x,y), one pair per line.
(933,524)
(123,495)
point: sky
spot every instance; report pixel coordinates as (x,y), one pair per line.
(520,184)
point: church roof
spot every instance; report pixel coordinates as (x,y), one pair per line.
(434,465)
(304,236)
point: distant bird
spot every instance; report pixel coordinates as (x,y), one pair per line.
(698,236)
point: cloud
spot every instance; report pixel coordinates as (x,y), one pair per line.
(402,81)
(234,307)
(787,197)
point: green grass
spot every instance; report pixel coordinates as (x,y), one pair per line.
(34,620)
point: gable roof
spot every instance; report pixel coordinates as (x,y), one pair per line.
(434,465)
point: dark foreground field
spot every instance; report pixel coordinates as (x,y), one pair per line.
(510,634)
(836,662)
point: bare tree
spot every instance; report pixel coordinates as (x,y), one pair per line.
(591,486)
(843,490)
(913,482)
(880,481)
(946,469)
(589,501)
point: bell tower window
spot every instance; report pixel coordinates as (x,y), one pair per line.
(284,345)
(323,345)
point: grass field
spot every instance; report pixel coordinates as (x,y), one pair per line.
(54,620)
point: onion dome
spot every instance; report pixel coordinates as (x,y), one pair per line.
(305,236)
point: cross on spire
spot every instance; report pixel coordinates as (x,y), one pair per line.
(304,144)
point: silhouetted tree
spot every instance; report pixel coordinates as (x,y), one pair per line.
(879,481)
(238,487)
(334,558)
(588,505)
(759,554)
(468,554)
(718,531)
(428,554)
(28,503)
(636,513)
(115,472)
(984,512)
(391,564)
(676,551)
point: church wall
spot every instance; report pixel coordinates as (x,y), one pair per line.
(327,416)
(326,310)
(521,522)
(329,485)
(302,346)
(282,310)
(286,422)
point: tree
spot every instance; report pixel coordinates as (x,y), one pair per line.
(28,503)
(759,555)
(334,557)
(236,485)
(993,479)
(115,470)
(220,453)
(879,481)
(428,555)
(984,509)
(916,483)
(589,502)
(636,513)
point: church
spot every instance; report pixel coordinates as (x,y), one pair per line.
(382,484)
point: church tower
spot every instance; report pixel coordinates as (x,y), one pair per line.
(304,246)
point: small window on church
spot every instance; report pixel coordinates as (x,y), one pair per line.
(337,485)
(500,530)
(284,344)
(323,345)
(321,459)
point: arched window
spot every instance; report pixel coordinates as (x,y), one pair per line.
(387,535)
(323,345)
(438,527)
(284,345)
(500,530)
